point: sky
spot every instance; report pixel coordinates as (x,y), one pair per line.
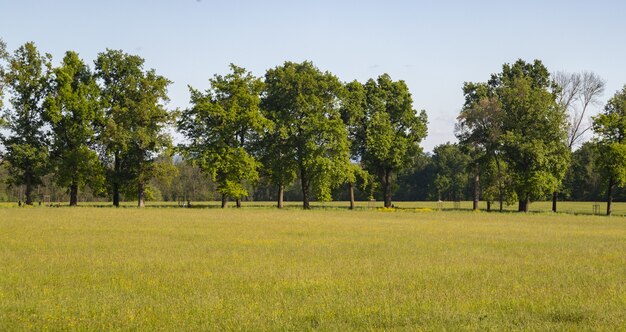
(434,46)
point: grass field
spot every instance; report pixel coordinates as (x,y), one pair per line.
(266,269)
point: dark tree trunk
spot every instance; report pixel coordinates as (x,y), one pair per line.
(501,203)
(116,185)
(554,199)
(351,189)
(74,194)
(524,204)
(476,188)
(387,188)
(305,189)
(281,192)
(29,190)
(141,195)
(488,206)
(609,197)
(224,201)
(238,203)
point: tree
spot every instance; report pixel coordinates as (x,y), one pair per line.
(534,129)
(309,137)
(451,166)
(72,110)
(4,55)
(354,103)
(479,131)
(578,91)
(610,129)
(26,151)
(134,134)
(220,125)
(388,131)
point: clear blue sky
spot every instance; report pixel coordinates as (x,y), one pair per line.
(433,46)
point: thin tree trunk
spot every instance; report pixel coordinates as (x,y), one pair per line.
(74,193)
(29,191)
(488,206)
(351,189)
(476,188)
(281,192)
(141,195)
(387,188)
(305,190)
(238,203)
(501,203)
(554,199)
(224,201)
(116,185)
(609,197)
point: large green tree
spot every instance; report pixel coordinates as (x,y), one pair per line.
(72,110)
(133,134)
(388,131)
(610,129)
(532,132)
(25,142)
(309,137)
(220,126)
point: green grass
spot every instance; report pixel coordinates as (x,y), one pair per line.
(265,269)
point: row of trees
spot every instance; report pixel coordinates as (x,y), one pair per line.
(106,129)
(520,127)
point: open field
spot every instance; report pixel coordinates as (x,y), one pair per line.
(330,269)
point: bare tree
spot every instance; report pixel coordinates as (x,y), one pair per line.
(580,91)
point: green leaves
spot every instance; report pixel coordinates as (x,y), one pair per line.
(221,126)
(309,137)
(515,115)
(610,129)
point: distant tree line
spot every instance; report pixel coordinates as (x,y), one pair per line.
(102,133)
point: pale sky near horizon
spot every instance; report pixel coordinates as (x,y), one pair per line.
(433,46)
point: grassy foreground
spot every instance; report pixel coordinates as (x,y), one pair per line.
(265,269)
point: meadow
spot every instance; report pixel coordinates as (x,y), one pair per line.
(259,268)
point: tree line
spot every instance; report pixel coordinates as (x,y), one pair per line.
(104,129)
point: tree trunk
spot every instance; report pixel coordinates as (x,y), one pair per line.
(116,185)
(554,198)
(387,188)
(501,203)
(524,204)
(238,203)
(609,197)
(351,189)
(281,191)
(141,195)
(29,191)
(476,188)
(224,201)
(488,206)
(74,193)
(305,190)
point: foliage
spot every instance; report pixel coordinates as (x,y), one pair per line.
(220,126)
(26,154)
(309,137)
(610,129)
(451,166)
(133,135)
(73,112)
(387,130)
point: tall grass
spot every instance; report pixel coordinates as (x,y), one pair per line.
(266,269)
